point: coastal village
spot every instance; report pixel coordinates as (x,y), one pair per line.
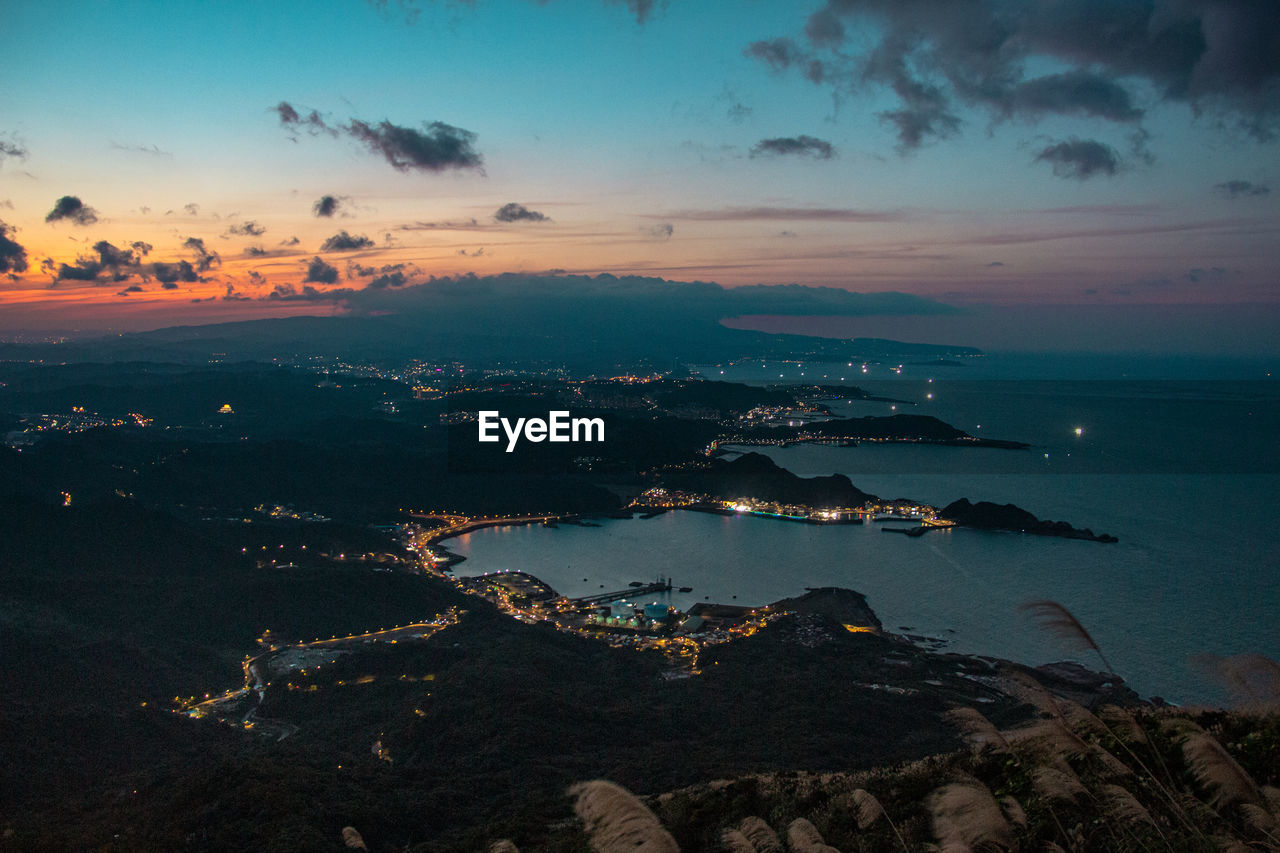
(631,617)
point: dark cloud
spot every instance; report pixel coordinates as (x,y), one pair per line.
(292,241)
(1080,159)
(435,148)
(357,270)
(326,205)
(392,279)
(642,9)
(254,251)
(290,293)
(168,273)
(513,212)
(11,148)
(153,150)
(1241,189)
(307,293)
(84,269)
(71,208)
(168,285)
(1217,56)
(320,272)
(661,231)
(470,301)
(344,242)
(996,264)
(13,256)
(249,228)
(824,29)
(461,225)
(109,263)
(312,123)
(1074,93)
(782,53)
(205,259)
(826,214)
(121,263)
(798,146)
(133,288)
(191,209)
(233,295)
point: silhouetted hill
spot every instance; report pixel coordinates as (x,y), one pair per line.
(990,516)
(756,475)
(577,321)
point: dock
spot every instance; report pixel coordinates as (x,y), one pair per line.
(660,585)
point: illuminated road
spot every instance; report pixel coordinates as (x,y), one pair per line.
(256,684)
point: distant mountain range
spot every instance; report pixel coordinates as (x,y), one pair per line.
(575,321)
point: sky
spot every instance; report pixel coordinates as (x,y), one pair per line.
(1038,164)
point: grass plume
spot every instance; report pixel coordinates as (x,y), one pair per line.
(803,837)
(1013,812)
(1124,806)
(1217,772)
(966,816)
(1252,678)
(760,834)
(1123,724)
(616,821)
(1057,781)
(980,732)
(1060,622)
(734,841)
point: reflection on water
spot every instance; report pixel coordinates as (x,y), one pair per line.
(1189,485)
(1171,588)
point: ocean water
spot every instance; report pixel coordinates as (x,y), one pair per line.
(1184,472)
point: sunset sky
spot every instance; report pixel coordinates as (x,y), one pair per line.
(1003,157)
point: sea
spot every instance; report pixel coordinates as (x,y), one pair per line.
(1179,459)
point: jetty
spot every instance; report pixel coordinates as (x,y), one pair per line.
(660,585)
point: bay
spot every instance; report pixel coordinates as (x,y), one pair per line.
(1184,473)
